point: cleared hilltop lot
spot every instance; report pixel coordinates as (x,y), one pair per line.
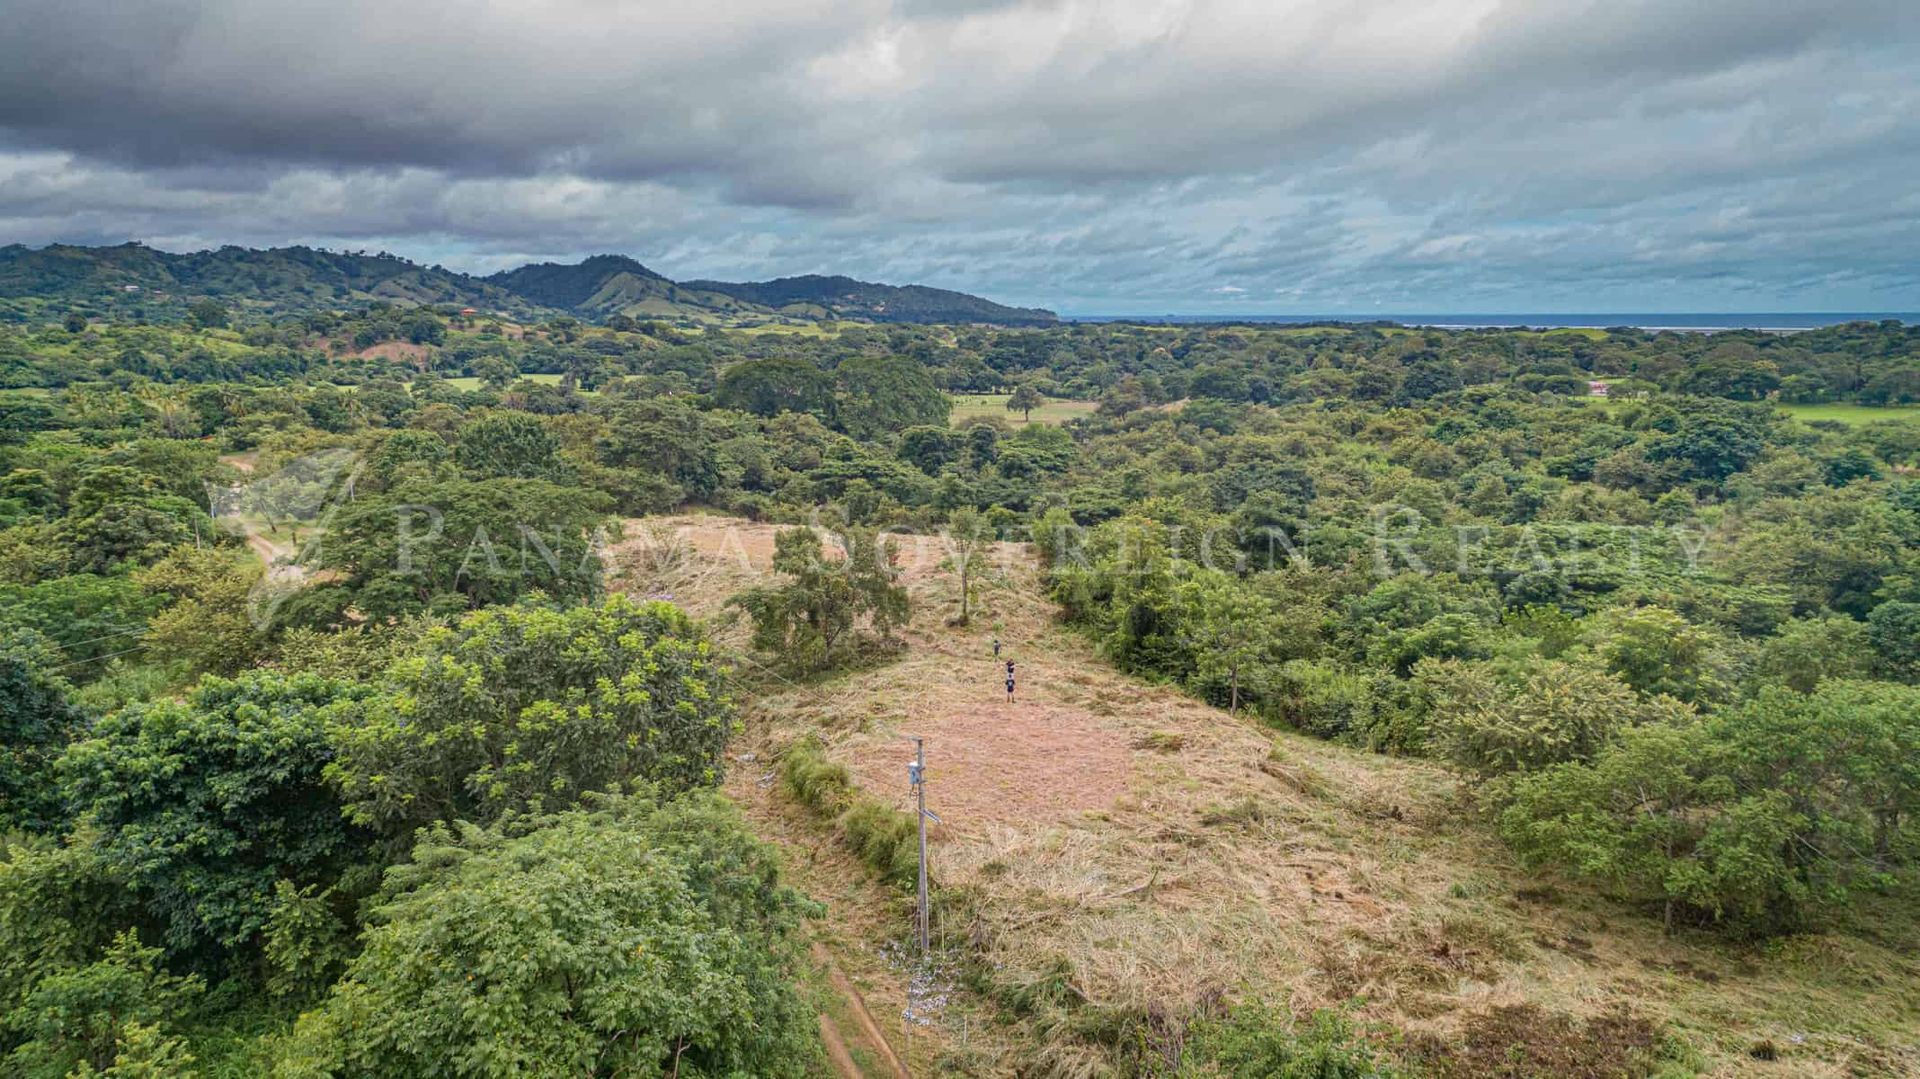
(1114,850)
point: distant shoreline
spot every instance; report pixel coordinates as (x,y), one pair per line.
(1652,322)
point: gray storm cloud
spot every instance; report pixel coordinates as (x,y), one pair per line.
(1323,155)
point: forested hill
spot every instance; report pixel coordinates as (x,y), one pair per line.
(844,297)
(279,279)
(139,281)
(606,285)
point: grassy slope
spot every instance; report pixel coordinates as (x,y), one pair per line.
(1851,414)
(801,329)
(1146,850)
(1843,413)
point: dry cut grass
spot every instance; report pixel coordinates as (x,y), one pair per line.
(1148,854)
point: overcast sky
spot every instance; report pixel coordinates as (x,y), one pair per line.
(1182,156)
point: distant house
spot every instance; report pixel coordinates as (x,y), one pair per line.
(1596,389)
(468,311)
(129,288)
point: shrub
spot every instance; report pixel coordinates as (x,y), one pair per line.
(204,803)
(36,720)
(1759,818)
(526,707)
(884,838)
(816,782)
(60,906)
(88,1019)
(887,840)
(1324,699)
(1254,1041)
(1549,712)
(1657,651)
(307,942)
(635,936)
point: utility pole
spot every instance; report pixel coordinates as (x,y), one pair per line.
(916,773)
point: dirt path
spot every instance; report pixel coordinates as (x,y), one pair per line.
(869,1030)
(837,1054)
(268,551)
(861,915)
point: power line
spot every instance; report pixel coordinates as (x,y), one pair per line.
(96,659)
(68,645)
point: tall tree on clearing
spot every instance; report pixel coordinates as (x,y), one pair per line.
(1024,400)
(808,620)
(968,536)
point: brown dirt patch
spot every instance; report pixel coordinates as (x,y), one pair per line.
(1522,1041)
(991,763)
(867,1029)
(837,1054)
(401,351)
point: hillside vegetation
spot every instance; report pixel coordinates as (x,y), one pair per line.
(843,297)
(1385,707)
(139,281)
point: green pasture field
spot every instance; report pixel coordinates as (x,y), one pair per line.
(968,406)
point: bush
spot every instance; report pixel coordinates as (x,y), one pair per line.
(633,937)
(887,840)
(528,707)
(1657,651)
(60,906)
(1324,699)
(36,720)
(816,782)
(84,1020)
(1760,818)
(884,838)
(307,941)
(1549,712)
(205,803)
(1255,1041)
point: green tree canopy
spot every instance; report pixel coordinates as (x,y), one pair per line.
(667,438)
(1544,713)
(1024,399)
(452,544)
(808,622)
(36,722)
(204,803)
(770,387)
(879,395)
(530,706)
(1765,817)
(638,937)
(510,445)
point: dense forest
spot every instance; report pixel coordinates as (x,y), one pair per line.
(428,798)
(133,281)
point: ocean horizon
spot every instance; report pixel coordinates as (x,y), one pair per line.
(1686,321)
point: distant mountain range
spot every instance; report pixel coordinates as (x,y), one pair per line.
(293,279)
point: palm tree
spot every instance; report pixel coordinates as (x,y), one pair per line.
(171,413)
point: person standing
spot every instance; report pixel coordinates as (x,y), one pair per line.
(1009,681)
(996,648)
